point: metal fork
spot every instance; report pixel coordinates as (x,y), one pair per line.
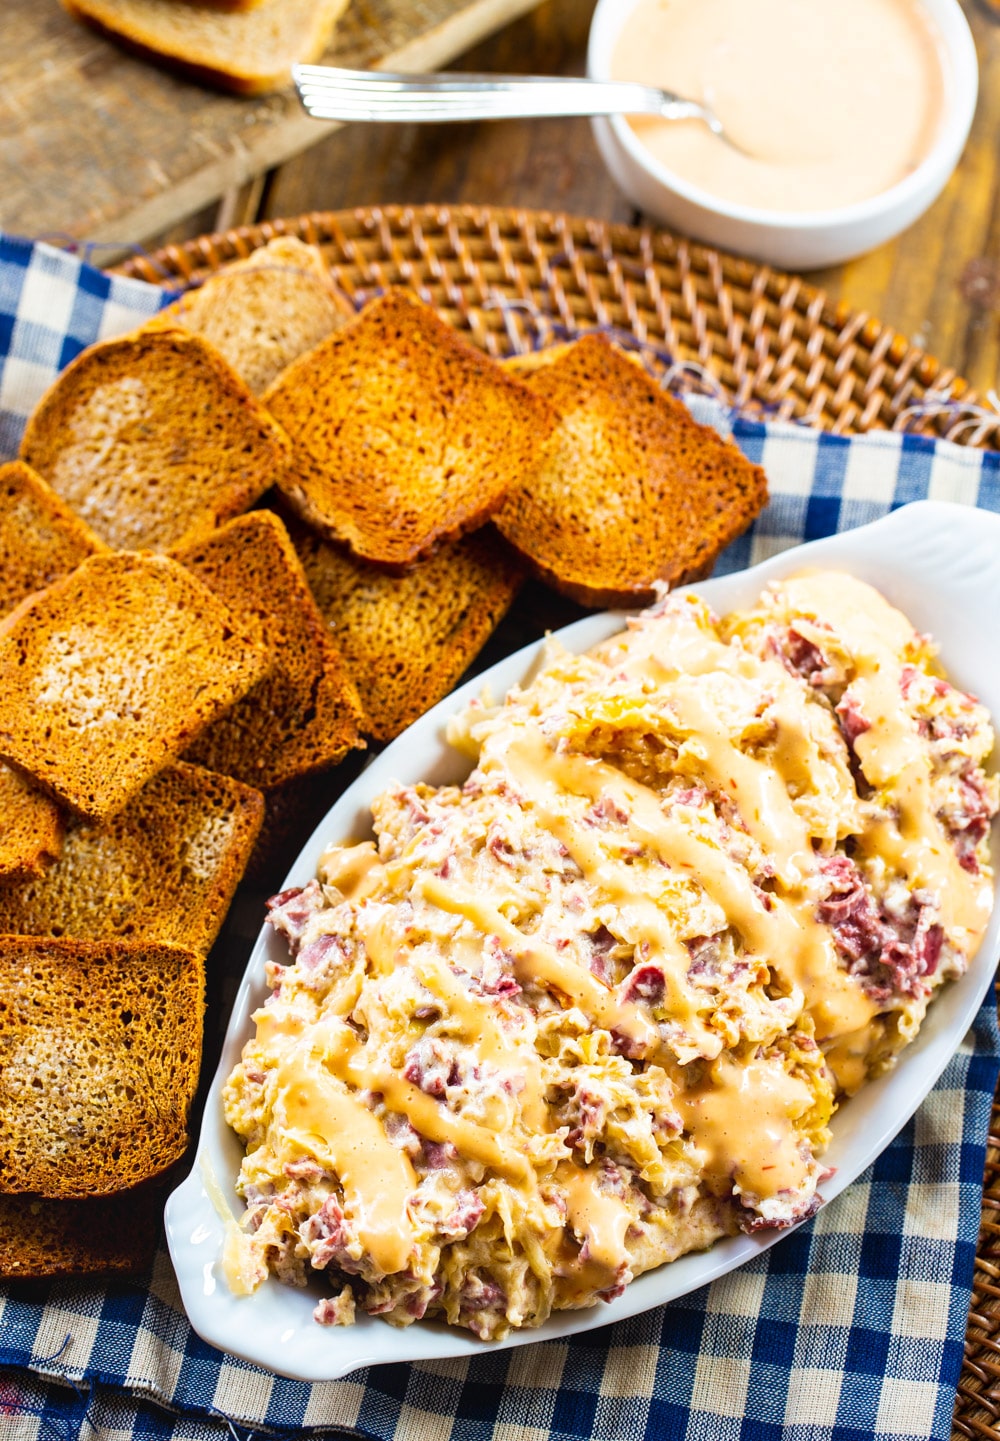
(329,93)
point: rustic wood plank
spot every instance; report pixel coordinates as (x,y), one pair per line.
(99,146)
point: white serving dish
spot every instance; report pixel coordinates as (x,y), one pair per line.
(940,564)
(794,240)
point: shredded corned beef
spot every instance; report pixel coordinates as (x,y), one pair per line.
(977,809)
(497,975)
(606,808)
(464,1219)
(320,952)
(646,983)
(803,657)
(852,722)
(889,957)
(290,911)
(328,1238)
(706,955)
(602,943)
(429,1066)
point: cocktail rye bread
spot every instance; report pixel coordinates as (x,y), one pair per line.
(112,672)
(304,714)
(153,440)
(164,868)
(635,491)
(264,311)
(100,1047)
(41,538)
(404,436)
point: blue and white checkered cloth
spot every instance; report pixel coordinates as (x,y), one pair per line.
(850,1328)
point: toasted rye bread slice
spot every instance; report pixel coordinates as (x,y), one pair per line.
(110,673)
(31,827)
(153,440)
(305,713)
(41,538)
(248,51)
(407,639)
(108,1236)
(635,492)
(403,435)
(262,312)
(100,1048)
(165,868)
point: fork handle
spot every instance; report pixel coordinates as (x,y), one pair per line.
(335,94)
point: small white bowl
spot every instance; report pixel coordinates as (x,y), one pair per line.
(795,240)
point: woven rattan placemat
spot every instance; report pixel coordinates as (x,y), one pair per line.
(768,343)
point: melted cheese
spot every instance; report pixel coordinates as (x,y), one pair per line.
(743,1119)
(596,1217)
(323,1118)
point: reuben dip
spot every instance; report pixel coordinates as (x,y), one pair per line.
(594,1008)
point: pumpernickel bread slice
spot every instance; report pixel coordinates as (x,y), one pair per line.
(635,490)
(41,538)
(100,1047)
(31,827)
(165,868)
(112,672)
(106,1236)
(264,311)
(304,714)
(407,639)
(403,434)
(153,440)
(250,51)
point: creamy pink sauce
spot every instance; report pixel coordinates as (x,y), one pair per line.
(839,99)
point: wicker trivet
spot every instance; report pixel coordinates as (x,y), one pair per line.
(767,343)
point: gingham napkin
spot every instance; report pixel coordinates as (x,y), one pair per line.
(851,1327)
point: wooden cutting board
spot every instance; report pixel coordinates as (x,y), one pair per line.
(97,145)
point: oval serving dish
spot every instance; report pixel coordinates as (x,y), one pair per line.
(939,564)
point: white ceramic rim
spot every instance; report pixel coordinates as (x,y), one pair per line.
(961,87)
(940,563)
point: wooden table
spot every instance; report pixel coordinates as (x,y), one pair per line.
(939,283)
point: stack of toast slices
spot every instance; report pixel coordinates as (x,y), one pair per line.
(240,543)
